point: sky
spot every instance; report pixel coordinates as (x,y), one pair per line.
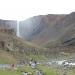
(23,9)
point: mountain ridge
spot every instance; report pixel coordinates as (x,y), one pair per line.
(49,28)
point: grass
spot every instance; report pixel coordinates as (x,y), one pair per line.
(8,72)
(36,57)
(6,58)
(45,69)
(71,72)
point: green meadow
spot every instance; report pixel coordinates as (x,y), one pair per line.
(45,70)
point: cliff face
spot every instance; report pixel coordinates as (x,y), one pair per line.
(40,29)
(8,26)
(68,29)
(49,30)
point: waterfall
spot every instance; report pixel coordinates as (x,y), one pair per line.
(18,34)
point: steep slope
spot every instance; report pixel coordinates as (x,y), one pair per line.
(69,28)
(19,49)
(40,29)
(8,24)
(51,31)
(66,27)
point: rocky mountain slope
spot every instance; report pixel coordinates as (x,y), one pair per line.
(66,28)
(8,24)
(18,49)
(40,29)
(49,30)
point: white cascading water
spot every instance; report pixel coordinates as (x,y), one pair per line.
(18,33)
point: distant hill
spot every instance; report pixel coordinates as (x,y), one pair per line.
(66,29)
(48,30)
(40,29)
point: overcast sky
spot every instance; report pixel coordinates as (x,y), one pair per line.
(23,9)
